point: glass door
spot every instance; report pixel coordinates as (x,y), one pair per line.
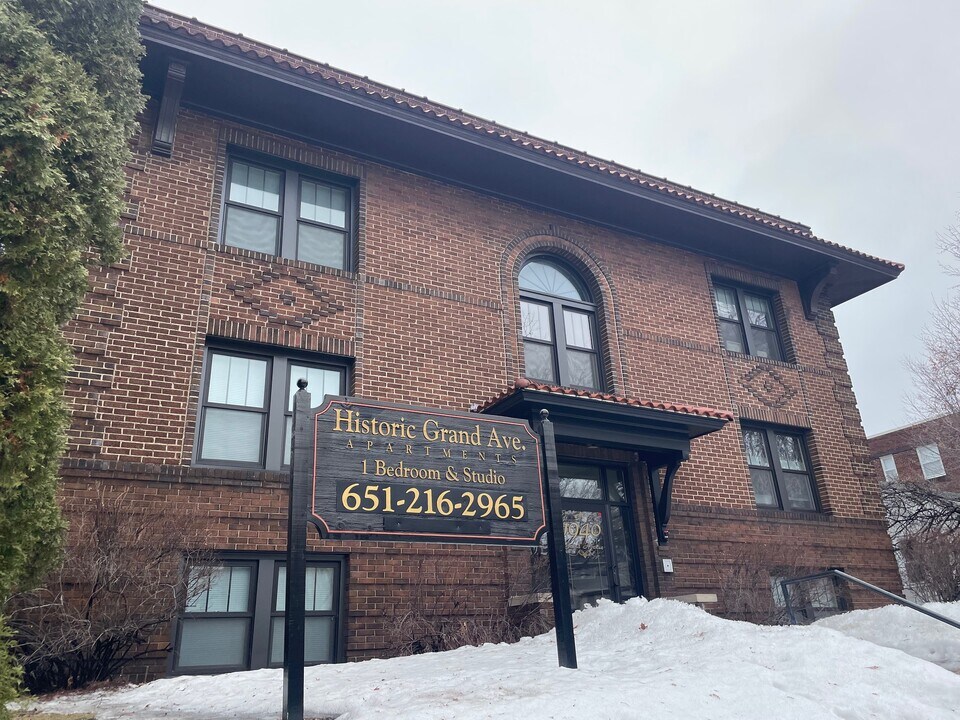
(598,532)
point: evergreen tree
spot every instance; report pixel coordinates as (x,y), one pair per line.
(69,95)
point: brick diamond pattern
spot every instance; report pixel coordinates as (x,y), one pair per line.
(287,309)
(766,385)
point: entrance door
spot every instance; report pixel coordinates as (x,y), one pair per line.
(599,535)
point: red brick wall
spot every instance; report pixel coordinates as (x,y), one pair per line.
(430,315)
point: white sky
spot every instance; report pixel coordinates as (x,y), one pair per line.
(841,114)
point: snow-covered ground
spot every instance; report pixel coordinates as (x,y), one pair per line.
(659,659)
(896,626)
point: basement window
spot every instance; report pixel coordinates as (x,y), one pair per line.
(234,618)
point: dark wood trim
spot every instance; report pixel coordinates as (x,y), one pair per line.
(656,434)
(812,289)
(166,127)
(662,495)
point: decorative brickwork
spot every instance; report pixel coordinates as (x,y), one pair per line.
(767,386)
(429,314)
(283,308)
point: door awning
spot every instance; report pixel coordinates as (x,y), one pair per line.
(659,431)
(596,418)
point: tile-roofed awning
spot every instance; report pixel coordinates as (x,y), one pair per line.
(273,83)
(525,384)
(658,432)
(656,429)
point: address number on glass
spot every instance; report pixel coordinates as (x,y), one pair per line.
(428,502)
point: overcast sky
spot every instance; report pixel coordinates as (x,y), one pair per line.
(840,114)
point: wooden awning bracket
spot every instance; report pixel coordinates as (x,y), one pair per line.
(661,491)
(166,127)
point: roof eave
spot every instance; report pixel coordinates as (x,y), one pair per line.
(857,273)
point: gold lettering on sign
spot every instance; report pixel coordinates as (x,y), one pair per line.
(433,432)
(489,478)
(362,497)
(349,421)
(505,442)
(381,468)
(408,467)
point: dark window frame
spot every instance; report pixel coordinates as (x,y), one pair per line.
(263,599)
(250,613)
(274,613)
(746,328)
(559,346)
(807,605)
(204,405)
(779,480)
(273,425)
(291,188)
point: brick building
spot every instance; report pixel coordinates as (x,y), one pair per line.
(288,219)
(924,451)
(921,465)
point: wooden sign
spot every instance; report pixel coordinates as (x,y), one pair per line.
(385,471)
(393,472)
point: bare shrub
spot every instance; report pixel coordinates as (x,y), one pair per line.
(746,584)
(438,614)
(529,584)
(924,523)
(121,581)
(933,565)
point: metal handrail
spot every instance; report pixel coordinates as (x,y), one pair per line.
(862,583)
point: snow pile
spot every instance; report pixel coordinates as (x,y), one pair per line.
(642,659)
(897,626)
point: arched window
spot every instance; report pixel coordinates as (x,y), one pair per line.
(559,326)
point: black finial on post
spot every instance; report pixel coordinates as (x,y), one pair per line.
(301,403)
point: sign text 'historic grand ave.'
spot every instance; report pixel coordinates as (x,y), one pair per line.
(395,472)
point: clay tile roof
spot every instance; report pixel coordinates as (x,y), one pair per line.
(524,384)
(444,115)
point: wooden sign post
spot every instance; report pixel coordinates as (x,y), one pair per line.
(556,546)
(363,469)
(296,582)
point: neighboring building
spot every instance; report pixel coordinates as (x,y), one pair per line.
(925,455)
(287,219)
(925,451)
